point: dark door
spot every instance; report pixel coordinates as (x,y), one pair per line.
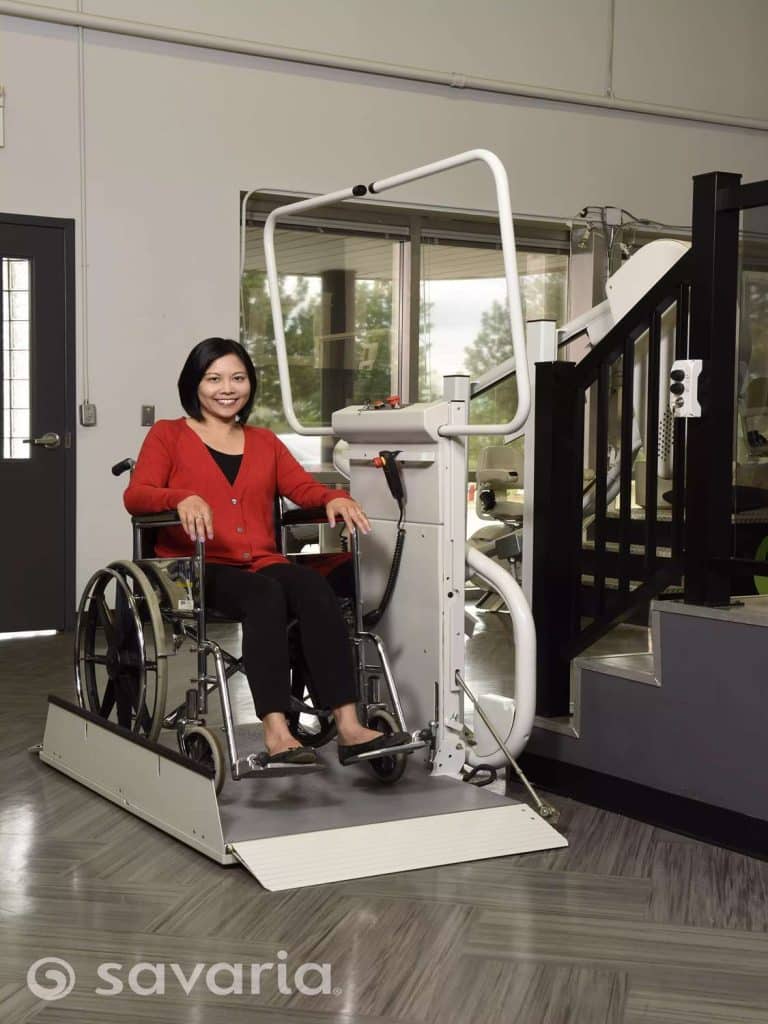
(37,505)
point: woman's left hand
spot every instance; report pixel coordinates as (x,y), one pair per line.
(348,510)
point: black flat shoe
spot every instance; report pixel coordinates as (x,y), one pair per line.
(381,744)
(295,755)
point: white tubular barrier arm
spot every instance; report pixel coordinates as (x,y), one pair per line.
(525,646)
(509,253)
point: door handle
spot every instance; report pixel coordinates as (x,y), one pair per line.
(49,440)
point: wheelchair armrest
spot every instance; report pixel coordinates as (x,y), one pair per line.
(155,519)
(303,516)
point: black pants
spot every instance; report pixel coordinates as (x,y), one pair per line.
(265,602)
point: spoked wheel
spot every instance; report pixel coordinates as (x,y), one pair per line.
(121,670)
(389,768)
(202,746)
(309,730)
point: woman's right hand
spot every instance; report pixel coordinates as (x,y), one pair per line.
(196,517)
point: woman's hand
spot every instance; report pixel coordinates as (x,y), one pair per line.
(348,510)
(196,518)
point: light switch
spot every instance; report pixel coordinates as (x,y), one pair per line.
(147,415)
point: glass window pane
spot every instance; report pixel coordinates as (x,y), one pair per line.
(20,394)
(465,323)
(19,275)
(19,334)
(19,450)
(20,365)
(19,305)
(336,296)
(19,422)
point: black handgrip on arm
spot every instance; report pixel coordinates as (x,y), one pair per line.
(121,467)
(388,462)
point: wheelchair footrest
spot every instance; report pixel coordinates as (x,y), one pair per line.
(258,766)
(371,755)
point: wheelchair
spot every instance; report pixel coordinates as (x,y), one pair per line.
(134,615)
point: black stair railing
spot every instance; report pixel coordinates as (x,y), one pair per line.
(641,556)
(572,521)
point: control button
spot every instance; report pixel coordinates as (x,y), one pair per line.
(246,554)
(393,401)
(234,501)
(378,462)
(241,529)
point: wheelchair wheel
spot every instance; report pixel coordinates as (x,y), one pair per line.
(390,768)
(202,746)
(121,669)
(309,730)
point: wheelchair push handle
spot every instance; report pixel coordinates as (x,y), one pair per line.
(121,467)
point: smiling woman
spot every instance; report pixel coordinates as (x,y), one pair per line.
(223,477)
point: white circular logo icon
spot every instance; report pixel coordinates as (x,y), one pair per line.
(50,978)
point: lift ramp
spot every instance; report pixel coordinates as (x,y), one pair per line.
(293,832)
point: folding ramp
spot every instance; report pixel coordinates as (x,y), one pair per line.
(291,832)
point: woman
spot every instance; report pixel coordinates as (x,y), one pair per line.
(222,476)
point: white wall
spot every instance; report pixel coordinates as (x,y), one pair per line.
(173,134)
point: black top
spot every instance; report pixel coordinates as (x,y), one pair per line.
(228,464)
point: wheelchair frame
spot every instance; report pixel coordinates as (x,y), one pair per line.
(149,599)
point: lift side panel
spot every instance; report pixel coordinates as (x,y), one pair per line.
(163,792)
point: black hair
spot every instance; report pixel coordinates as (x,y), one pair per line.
(198,361)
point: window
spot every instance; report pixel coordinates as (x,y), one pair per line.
(16,314)
(359,281)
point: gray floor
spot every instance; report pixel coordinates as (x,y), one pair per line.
(629,924)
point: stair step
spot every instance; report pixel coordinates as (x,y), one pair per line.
(637,667)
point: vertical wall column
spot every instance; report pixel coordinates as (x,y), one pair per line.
(337,347)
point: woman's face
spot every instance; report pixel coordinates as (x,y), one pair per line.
(224,388)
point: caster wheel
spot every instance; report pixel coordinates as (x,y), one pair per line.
(202,746)
(387,769)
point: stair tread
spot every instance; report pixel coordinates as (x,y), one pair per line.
(636,666)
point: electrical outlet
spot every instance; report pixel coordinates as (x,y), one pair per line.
(87,414)
(147,415)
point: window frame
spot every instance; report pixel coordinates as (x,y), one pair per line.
(411,225)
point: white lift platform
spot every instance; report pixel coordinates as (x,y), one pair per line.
(288,833)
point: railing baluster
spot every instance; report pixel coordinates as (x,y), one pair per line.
(601,485)
(652,442)
(678,434)
(625,486)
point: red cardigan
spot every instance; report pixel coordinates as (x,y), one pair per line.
(174,464)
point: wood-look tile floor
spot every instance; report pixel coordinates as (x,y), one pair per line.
(629,924)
